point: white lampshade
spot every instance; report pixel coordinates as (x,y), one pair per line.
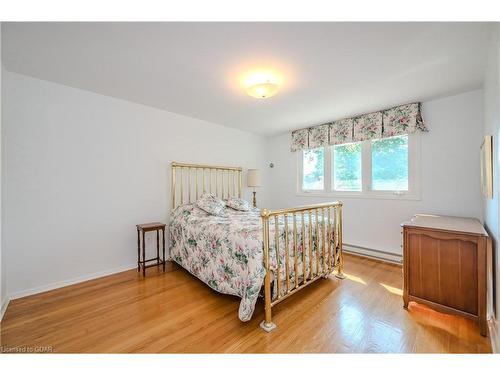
(253,178)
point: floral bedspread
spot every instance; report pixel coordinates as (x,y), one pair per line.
(226,252)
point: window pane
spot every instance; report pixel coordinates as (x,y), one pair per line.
(314,169)
(347,167)
(390,163)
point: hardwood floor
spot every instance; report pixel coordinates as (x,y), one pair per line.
(175,312)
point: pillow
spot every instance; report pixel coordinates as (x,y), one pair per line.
(238,204)
(212,204)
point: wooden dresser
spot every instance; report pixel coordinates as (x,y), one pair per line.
(445,266)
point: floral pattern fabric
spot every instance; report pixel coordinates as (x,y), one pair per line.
(341,132)
(300,140)
(318,136)
(403,119)
(238,204)
(227,252)
(368,127)
(212,204)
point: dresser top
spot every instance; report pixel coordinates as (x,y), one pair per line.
(448,223)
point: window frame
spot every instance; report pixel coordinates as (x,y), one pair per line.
(414,175)
(325,183)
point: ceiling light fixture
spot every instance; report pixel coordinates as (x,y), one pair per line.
(263,90)
(262,84)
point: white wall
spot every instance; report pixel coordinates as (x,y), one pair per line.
(81,169)
(3,296)
(492,127)
(449,169)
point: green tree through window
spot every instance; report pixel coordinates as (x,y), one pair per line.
(386,161)
(390,163)
(347,167)
(313,169)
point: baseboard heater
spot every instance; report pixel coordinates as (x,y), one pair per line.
(373,253)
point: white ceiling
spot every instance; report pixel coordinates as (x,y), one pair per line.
(330,70)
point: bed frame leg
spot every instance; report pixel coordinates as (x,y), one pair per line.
(267,324)
(340,270)
(268,327)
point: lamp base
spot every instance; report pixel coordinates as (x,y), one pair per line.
(255,199)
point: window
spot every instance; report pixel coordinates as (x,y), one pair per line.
(380,168)
(390,164)
(313,169)
(347,167)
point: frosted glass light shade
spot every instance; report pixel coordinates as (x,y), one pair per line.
(263,90)
(253,178)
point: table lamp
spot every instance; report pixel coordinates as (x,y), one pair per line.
(253,181)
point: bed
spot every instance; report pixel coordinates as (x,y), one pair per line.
(255,252)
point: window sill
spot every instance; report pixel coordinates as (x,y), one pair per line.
(386,196)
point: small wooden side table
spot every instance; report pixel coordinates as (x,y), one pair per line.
(142,229)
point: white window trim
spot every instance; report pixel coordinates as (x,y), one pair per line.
(414,176)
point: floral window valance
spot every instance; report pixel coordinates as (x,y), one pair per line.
(403,119)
